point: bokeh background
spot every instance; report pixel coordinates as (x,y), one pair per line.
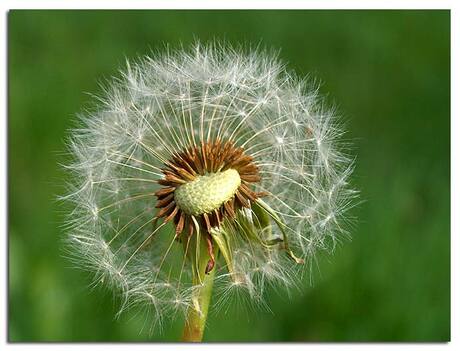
(388,72)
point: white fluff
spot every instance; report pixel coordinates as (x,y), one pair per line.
(168,102)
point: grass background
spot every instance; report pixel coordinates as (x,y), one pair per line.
(389,73)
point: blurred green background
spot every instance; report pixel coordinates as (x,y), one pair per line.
(387,71)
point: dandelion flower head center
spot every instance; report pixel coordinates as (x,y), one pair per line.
(208,192)
(207,183)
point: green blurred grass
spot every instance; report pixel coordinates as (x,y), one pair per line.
(388,72)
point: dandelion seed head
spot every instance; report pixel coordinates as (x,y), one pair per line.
(208,149)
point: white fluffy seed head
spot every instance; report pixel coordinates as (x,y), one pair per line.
(169,102)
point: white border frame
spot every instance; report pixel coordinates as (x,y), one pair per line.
(452,5)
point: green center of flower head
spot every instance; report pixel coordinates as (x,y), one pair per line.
(207,192)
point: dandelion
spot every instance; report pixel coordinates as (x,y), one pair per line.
(201,167)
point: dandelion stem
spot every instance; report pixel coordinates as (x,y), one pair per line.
(197,314)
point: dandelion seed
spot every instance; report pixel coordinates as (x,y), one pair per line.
(200,167)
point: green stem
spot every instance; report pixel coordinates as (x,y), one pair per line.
(196,319)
